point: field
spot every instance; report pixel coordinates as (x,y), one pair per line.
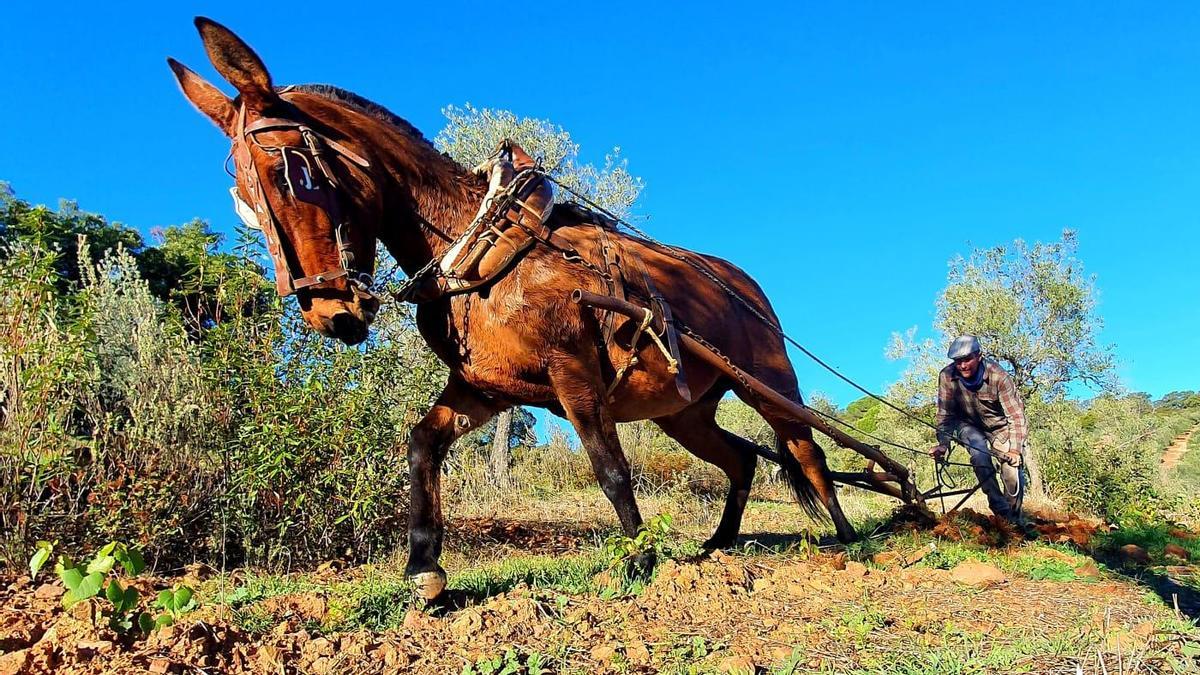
(533,592)
(163,399)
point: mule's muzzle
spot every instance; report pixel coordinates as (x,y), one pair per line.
(348,328)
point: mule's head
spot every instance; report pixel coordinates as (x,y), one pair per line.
(300,180)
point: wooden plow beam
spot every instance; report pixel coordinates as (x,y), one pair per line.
(894,480)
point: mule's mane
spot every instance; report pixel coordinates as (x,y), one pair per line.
(575,211)
(359,103)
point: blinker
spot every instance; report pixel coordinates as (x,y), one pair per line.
(244,210)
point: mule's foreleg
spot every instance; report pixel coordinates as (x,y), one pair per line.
(580,390)
(458,410)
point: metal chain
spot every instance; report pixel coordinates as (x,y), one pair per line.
(713,348)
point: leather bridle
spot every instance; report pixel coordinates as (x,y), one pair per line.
(308,178)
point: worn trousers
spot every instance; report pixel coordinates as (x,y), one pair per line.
(1004,501)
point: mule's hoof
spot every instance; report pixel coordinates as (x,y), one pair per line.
(643,564)
(718,544)
(429,585)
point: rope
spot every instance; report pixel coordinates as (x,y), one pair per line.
(679,255)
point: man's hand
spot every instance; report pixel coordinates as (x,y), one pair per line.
(1012,458)
(939,452)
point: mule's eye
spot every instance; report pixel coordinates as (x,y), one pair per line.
(279,178)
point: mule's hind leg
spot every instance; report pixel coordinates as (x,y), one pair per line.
(580,390)
(695,428)
(458,409)
(800,446)
(804,462)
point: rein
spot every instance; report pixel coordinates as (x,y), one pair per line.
(308,178)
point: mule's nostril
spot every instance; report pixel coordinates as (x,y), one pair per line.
(348,328)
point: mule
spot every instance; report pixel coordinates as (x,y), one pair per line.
(519,340)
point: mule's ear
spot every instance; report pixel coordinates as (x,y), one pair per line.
(236,62)
(208,99)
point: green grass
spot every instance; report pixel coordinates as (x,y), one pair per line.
(568,574)
(1152,536)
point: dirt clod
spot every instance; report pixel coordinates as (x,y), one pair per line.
(1134,554)
(977,574)
(1177,551)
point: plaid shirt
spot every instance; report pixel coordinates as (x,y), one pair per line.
(995,409)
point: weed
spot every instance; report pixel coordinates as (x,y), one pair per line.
(101,574)
(511,662)
(380,608)
(652,537)
(568,574)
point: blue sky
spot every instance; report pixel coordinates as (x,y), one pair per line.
(842,155)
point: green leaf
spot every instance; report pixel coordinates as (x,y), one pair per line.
(163,621)
(87,587)
(183,599)
(131,598)
(90,586)
(145,622)
(39,558)
(132,561)
(115,594)
(106,550)
(101,564)
(71,577)
(165,600)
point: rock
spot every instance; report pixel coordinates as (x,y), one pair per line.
(1177,551)
(318,647)
(1182,534)
(722,557)
(1123,641)
(1132,553)
(159,665)
(603,652)
(269,659)
(307,606)
(467,624)
(48,592)
(390,654)
(886,558)
(856,570)
(14,663)
(1145,630)
(89,648)
(917,555)
(1088,571)
(738,664)
(85,611)
(637,653)
(977,574)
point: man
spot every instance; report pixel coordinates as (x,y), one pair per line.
(979,407)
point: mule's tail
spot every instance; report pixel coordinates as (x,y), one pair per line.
(802,487)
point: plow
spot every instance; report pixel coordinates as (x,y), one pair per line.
(881,474)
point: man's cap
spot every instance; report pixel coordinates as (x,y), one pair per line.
(964,345)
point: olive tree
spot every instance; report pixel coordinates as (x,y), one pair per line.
(471,135)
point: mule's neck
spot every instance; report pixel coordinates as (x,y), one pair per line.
(430,200)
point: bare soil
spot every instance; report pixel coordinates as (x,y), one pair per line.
(763,612)
(1175,452)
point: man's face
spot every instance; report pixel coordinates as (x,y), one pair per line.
(967,365)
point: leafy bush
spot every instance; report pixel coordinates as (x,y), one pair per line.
(200,420)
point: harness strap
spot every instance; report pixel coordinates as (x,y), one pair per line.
(309,191)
